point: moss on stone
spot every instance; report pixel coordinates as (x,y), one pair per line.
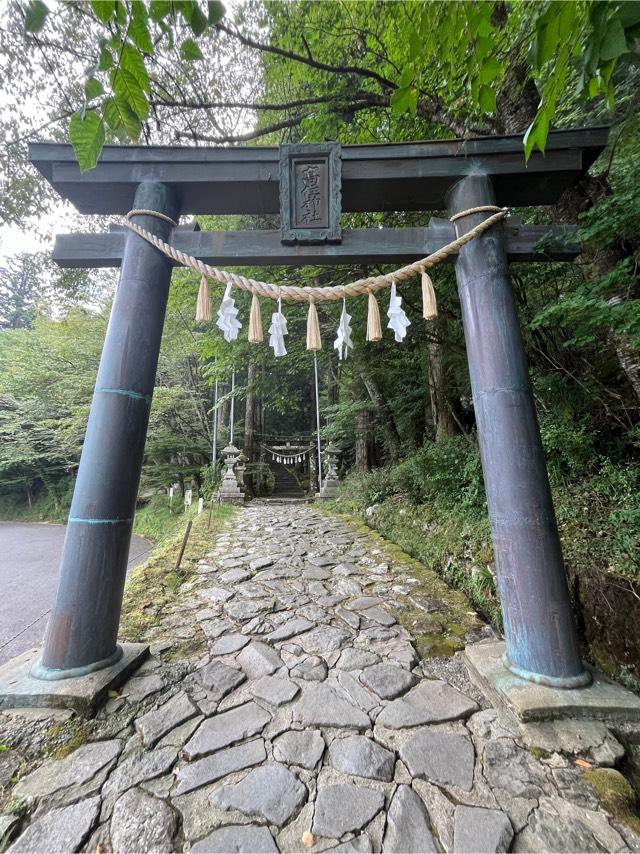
(616,795)
(539,752)
(438,646)
(603,659)
(64,738)
(185,650)
(437,633)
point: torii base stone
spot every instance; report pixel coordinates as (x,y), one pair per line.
(84,694)
(528,701)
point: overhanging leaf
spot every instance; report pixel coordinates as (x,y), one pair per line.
(92,88)
(629,13)
(35,15)
(87,138)
(138,30)
(190,51)
(132,61)
(404,100)
(103,9)
(491,68)
(120,118)
(199,21)
(406,78)
(127,87)
(614,43)
(159,9)
(106,60)
(415,45)
(536,135)
(216,11)
(487,99)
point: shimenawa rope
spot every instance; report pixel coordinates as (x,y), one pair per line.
(369,285)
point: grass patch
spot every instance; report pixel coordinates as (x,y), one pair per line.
(64,738)
(46,507)
(452,548)
(151,588)
(438,633)
(154,521)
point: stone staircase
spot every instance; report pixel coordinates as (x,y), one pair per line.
(286,487)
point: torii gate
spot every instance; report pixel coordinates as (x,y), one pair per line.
(541,641)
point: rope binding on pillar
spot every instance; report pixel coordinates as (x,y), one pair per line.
(398,321)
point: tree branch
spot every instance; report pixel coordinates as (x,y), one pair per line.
(294,121)
(248,105)
(305,60)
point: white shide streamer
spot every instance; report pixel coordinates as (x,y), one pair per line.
(343,342)
(398,320)
(228,322)
(277,331)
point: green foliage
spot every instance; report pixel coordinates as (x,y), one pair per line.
(46,382)
(117,88)
(35,16)
(155,521)
(447,472)
(259,479)
(565,40)
(211,479)
(446,62)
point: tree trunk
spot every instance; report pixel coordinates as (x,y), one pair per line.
(364,449)
(251,414)
(443,421)
(629,359)
(387,421)
(332,382)
(224,411)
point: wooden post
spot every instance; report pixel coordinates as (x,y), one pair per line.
(541,641)
(82,631)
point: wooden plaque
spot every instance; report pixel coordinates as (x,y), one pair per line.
(310,193)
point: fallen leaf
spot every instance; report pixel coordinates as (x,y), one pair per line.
(584,764)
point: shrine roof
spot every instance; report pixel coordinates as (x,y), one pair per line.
(410,176)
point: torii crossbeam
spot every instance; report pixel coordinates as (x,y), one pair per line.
(541,641)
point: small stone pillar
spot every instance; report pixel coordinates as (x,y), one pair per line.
(230,492)
(330,481)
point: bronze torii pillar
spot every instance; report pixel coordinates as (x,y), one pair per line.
(83,628)
(541,640)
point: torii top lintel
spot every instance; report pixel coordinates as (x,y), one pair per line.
(387,177)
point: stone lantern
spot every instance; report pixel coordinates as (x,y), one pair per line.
(230,492)
(330,481)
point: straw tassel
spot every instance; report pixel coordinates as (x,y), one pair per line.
(314,342)
(203,307)
(429,304)
(374,329)
(255,321)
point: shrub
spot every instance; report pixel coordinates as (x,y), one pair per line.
(259,479)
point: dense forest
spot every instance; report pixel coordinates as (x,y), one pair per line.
(402,414)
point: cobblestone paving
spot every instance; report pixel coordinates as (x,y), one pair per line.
(311,724)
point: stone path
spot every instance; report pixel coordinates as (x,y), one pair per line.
(307,722)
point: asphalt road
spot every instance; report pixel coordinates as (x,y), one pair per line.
(29,559)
